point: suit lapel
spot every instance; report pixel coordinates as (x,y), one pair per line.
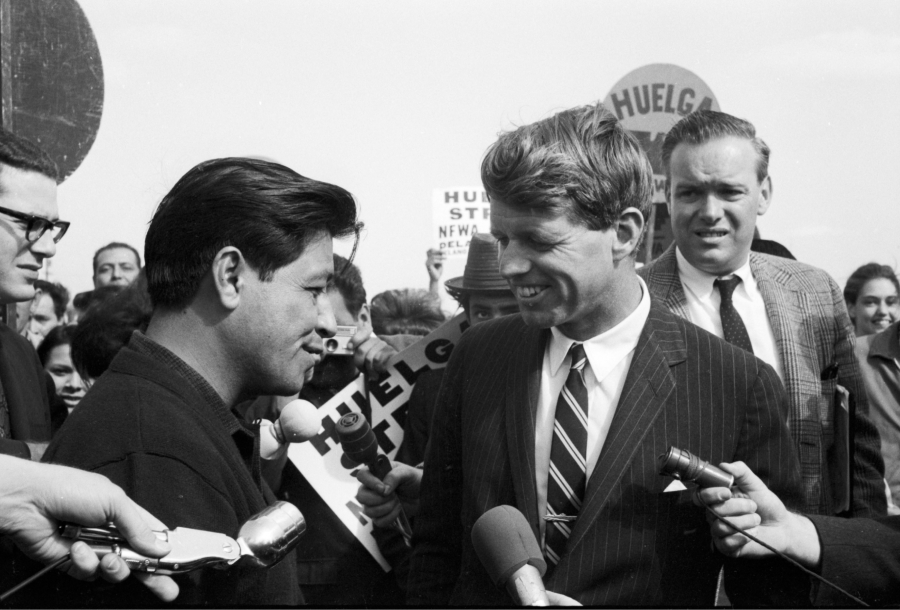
(780,302)
(666,284)
(522,390)
(647,388)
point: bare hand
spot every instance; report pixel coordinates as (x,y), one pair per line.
(558,599)
(35,498)
(382,500)
(434,262)
(754,508)
(371,354)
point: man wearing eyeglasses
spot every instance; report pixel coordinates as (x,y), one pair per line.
(29,230)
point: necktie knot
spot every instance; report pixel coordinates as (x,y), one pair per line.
(727,286)
(579,358)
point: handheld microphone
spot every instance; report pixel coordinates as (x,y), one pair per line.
(683,465)
(299,421)
(508,550)
(361,446)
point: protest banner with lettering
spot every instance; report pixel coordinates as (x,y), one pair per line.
(459,213)
(322,461)
(648,102)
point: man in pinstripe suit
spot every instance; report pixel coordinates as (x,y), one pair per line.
(794,314)
(562,410)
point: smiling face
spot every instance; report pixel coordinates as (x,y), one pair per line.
(116,267)
(279,334)
(66,379)
(876,307)
(561,273)
(20,260)
(714,197)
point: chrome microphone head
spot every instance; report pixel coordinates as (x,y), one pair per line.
(268,536)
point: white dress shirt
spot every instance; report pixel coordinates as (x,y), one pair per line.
(609,358)
(703,300)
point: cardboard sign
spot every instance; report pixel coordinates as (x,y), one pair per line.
(459,213)
(322,461)
(648,101)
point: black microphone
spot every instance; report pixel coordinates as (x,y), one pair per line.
(508,550)
(361,446)
(685,466)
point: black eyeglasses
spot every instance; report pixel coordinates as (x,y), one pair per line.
(37,226)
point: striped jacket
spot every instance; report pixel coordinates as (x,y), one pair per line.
(633,543)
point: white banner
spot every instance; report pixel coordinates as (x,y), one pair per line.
(322,461)
(459,213)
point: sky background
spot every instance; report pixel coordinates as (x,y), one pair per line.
(394,99)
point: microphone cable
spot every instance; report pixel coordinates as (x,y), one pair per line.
(785,557)
(34,577)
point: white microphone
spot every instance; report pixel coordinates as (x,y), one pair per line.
(299,421)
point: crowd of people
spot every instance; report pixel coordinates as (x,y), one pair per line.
(577,369)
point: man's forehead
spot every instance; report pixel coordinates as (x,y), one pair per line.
(28,192)
(116,255)
(534,215)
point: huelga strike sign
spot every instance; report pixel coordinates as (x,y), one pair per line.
(650,100)
(458,214)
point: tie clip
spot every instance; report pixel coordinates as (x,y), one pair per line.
(560,518)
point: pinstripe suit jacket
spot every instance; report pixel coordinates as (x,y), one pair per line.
(812,330)
(632,543)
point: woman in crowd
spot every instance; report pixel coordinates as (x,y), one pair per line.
(872,298)
(55,354)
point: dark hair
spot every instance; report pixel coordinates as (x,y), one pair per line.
(407,311)
(113,246)
(107,326)
(348,281)
(870,271)
(704,125)
(84,300)
(16,151)
(58,294)
(58,335)
(580,160)
(266,210)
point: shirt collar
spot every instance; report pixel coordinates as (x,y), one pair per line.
(702,283)
(607,349)
(886,344)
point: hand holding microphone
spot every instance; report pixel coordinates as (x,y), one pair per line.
(298,422)
(361,446)
(508,550)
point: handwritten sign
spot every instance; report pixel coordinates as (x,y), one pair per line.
(459,213)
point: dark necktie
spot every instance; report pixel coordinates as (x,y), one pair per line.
(568,451)
(732,324)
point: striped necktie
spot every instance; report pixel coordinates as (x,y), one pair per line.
(568,451)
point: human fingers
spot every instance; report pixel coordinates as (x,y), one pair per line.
(135,523)
(371,482)
(162,587)
(84,561)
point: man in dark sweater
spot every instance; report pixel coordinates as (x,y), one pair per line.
(238,256)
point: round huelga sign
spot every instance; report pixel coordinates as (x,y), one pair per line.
(651,99)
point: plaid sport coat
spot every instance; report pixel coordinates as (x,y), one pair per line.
(814,334)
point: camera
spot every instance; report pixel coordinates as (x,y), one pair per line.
(337,345)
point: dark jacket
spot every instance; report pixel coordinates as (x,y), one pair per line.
(188,461)
(26,387)
(632,544)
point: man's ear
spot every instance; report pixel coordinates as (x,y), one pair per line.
(229,270)
(765,196)
(364,318)
(629,228)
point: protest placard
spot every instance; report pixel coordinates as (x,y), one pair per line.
(322,461)
(459,213)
